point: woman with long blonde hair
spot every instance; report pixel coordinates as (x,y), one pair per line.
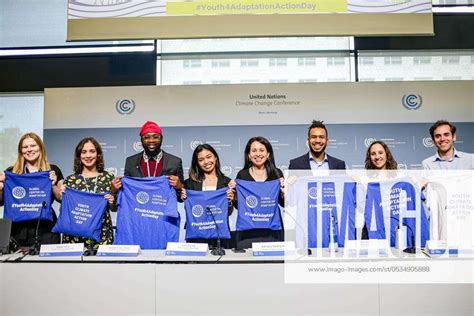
(32,158)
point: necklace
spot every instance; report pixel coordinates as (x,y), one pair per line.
(87,186)
(256,175)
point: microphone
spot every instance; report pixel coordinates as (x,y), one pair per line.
(35,248)
(412,249)
(14,244)
(218,251)
(333,246)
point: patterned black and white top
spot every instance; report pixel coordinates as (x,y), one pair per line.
(99,184)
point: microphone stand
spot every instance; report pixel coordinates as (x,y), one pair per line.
(218,251)
(35,248)
(412,249)
(14,244)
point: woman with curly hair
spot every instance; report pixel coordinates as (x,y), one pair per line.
(89,176)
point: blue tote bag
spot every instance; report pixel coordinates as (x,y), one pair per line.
(199,220)
(81,214)
(147,213)
(28,196)
(258,205)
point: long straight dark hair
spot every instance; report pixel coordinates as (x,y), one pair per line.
(195,172)
(270,167)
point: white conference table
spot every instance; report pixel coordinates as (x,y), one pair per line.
(235,284)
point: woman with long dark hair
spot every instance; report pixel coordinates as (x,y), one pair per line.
(32,158)
(379,157)
(260,166)
(205,175)
(89,176)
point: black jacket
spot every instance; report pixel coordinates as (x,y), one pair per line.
(302,163)
(244,174)
(172,165)
(190,184)
(222,182)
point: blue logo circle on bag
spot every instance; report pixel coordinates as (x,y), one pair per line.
(125,106)
(412,101)
(18,192)
(198,210)
(251,201)
(142,197)
(313,193)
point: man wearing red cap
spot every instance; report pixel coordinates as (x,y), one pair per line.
(152,161)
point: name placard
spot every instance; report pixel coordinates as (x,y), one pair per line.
(280,248)
(440,247)
(435,247)
(61,250)
(366,248)
(186,249)
(118,250)
(465,252)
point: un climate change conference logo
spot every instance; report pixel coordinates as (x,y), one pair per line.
(283,167)
(137,146)
(112,170)
(193,144)
(226,170)
(197,210)
(251,201)
(313,193)
(428,142)
(369,141)
(142,197)
(18,192)
(412,101)
(125,106)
